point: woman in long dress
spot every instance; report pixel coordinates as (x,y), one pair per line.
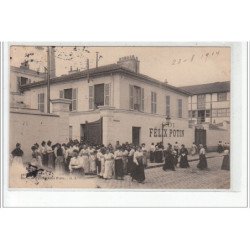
(125,160)
(169,159)
(152,153)
(85,158)
(145,157)
(108,166)
(130,159)
(118,155)
(183,157)
(138,173)
(226,161)
(59,162)
(17,167)
(202,165)
(50,155)
(92,160)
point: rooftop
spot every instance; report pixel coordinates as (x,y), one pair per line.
(100,71)
(208,88)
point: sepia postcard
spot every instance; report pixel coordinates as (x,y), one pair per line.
(119,117)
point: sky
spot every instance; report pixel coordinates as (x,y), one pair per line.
(179,66)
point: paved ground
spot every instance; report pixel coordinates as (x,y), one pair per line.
(156,178)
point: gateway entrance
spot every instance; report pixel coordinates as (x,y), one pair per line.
(91,132)
(136,135)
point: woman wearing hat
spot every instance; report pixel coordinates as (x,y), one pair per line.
(138,173)
(50,155)
(118,155)
(169,159)
(226,161)
(108,165)
(202,165)
(17,161)
(184,160)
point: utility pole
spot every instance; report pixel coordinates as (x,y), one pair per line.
(48,78)
(97,59)
(88,69)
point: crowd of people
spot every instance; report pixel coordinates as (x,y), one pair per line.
(109,161)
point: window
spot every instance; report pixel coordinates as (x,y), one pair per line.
(23,80)
(214,113)
(208,113)
(179,108)
(70,94)
(41,102)
(201,101)
(99,95)
(168,105)
(136,98)
(153,102)
(222,112)
(194,114)
(221,97)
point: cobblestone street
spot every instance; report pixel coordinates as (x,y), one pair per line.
(156,178)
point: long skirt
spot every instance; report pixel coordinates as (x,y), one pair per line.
(51,160)
(169,164)
(102,167)
(59,164)
(125,165)
(184,162)
(144,159)
(220,149)
(119,168)
(98,166)
(202,162)
(130,164)
(17,167)
(44,159)
(85,164)
(138,173)
(158,156)
(78,171)
(152,156)
(66,166)
(92,164)
(108,169)
(226,163)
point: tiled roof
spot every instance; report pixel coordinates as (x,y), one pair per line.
(102,70)
(215,87)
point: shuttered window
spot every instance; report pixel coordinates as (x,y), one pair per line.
(131,97)
(91,97)
(153,103)
(74,99)
(106,94)
(179,108)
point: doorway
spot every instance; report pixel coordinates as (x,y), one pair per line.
(136,135)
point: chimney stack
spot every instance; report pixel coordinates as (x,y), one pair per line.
(130,62)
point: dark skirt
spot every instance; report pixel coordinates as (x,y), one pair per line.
(220,149)
(98,166)
(184,162)
(226,163)
(158,156)
(119,168)
(152,156)
(169,163)
(78,171)
(44,159)
(130,164)
(202,162)
(67,164)
(138,173)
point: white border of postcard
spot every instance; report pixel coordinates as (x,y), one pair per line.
(235,197)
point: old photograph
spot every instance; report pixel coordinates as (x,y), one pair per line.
(119,117)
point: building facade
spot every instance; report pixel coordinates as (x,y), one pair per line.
(209,103)
(116,103)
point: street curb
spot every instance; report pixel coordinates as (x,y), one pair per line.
(196,159)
